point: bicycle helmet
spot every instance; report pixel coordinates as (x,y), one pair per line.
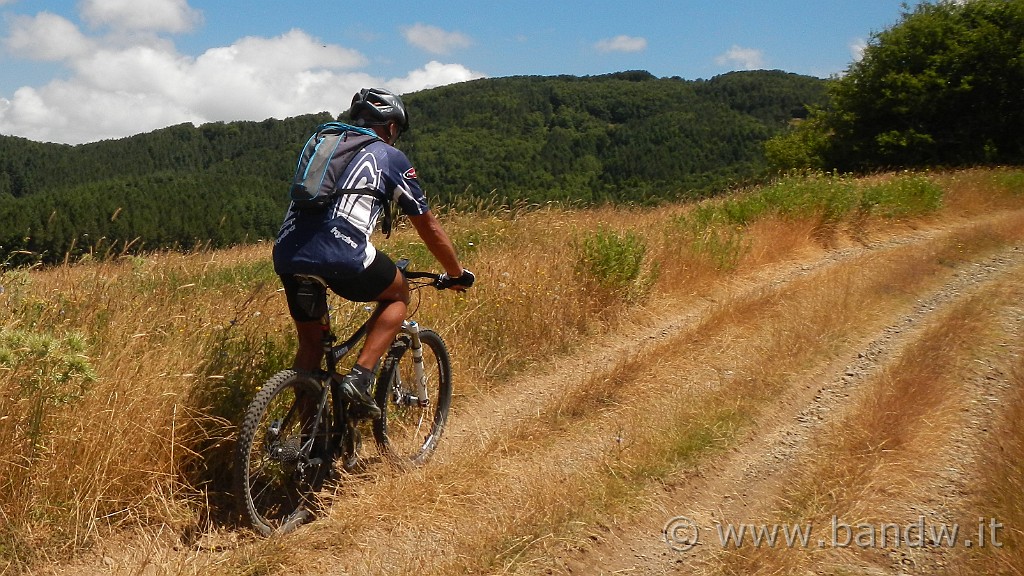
(375,106)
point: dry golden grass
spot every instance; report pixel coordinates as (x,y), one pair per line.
(598,445)
(119,402)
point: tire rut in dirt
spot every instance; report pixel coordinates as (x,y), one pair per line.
(748,475)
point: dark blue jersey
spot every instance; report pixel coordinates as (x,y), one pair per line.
(336,241)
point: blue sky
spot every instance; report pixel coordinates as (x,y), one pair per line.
(83,70)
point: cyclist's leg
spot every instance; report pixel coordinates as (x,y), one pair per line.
(307,358)
(381,282)
(310,348)
(392,306)
(306,304)
(384,284)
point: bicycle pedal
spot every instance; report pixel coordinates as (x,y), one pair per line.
(350,455)
(350,463)
(361,412)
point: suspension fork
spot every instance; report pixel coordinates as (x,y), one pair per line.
(412,328)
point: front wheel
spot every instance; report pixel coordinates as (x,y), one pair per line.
(278,462)
(413,416)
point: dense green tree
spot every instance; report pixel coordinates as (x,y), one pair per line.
(944,86)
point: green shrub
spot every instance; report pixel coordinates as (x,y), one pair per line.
(714,233)
(1010,180)
(826,196)
(615,262)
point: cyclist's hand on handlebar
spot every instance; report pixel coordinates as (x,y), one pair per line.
(459,283)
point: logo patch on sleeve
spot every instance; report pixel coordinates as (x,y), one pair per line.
(410,174)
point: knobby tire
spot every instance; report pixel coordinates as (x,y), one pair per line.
(274,487)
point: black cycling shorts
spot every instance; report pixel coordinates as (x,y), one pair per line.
(363,287)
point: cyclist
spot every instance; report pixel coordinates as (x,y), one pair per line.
(334,244)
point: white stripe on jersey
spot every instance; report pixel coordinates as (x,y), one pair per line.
(357,208)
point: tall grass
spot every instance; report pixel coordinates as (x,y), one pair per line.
(504,502)
(614,262)
(716,229)
(122,378)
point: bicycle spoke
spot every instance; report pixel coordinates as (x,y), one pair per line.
(413,421)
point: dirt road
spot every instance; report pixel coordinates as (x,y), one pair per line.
(688,529)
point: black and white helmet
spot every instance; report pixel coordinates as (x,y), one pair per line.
(372,106)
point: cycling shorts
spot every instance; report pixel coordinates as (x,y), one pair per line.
(365,286)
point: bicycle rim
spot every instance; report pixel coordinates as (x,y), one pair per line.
(274,478)
(409,430)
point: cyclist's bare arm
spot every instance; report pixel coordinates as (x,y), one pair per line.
(437,241)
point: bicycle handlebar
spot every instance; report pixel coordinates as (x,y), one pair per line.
(439,281)
(416,275)
(435,279)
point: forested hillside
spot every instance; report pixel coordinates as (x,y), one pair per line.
(625,137)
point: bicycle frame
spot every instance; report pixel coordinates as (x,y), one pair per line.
(410,328)
(334,353)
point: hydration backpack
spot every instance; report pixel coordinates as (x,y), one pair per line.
(323,161)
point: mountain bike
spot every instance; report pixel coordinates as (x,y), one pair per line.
(299,424)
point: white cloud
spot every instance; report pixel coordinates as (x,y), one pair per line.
(432,75)
(434,39)
(142,15)
(622,44)
(257,78)
(45,36)
(744,58)
(294,49)
(125,82)
(857,48)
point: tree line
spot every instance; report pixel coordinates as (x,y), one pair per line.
(624,137)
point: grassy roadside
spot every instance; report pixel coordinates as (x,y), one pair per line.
(122,379)
(603,444)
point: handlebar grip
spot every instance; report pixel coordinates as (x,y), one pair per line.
(415,275)
(466,280)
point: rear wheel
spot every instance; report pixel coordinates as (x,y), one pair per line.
(411,422)
(277,463)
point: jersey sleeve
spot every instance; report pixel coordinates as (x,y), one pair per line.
(403,184)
